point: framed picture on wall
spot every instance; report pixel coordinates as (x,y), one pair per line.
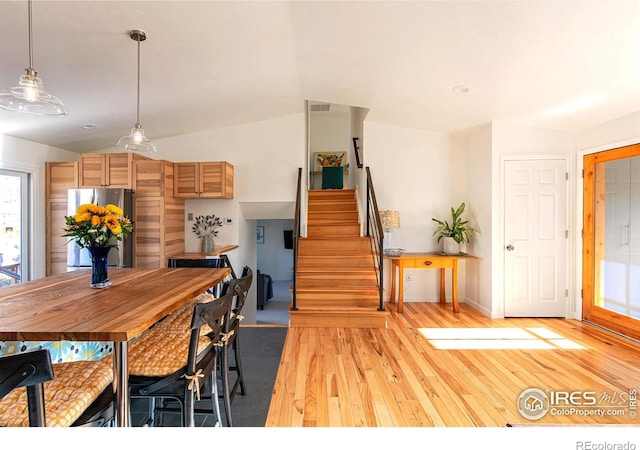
(260,234)
(328,159)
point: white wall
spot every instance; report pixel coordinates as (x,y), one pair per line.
(615,133)
(273,258)
(29,157)
(414,172)
(477,148)
(330,131)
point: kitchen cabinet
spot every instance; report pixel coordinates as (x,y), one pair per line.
(59,176)
(158,218)
(203,180)
(113,170)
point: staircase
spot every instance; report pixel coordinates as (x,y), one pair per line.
(336,280)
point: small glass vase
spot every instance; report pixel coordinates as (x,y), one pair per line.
(207,244)
(99,274)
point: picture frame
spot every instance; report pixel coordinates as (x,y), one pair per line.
(356,149)
(260,234)
(328,159)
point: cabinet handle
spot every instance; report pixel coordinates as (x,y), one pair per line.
(428,263)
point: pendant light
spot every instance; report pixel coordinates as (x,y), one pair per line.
(137,141)
(29,97)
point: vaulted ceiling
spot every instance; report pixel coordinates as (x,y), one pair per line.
(209,64)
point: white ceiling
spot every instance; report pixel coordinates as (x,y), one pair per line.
(210,64)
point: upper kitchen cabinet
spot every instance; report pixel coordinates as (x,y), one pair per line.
(203,180)
(113,170)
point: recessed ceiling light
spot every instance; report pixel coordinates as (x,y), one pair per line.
(460,89)
(88,126)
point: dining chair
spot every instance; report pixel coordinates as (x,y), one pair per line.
(29,370)
(34,392)
(239,288)
(174,361)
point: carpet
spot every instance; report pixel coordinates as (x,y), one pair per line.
(261,349)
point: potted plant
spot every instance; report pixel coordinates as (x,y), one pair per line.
(455,232)
(206,228)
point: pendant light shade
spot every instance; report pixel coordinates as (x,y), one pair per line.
(136,141)
(29,97)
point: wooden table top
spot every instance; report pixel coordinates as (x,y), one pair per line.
(64,307)
(219,250)
(413,255)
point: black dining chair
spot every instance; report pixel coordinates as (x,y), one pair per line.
(239,288)
(28,370)
(36,393)
(173,361)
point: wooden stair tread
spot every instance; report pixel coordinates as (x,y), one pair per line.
(347,318)
(336,281)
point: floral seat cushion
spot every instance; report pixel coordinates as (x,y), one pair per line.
(74,388)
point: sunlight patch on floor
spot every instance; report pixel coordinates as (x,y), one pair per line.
(537,338)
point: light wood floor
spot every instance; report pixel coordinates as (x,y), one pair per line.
(470,377)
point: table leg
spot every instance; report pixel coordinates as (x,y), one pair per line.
(121,384)
(400,289)
(454,286)
(392,297)
(443,294)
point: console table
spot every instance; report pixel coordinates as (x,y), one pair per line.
(440,261)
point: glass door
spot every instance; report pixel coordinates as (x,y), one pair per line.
(611,244)
(14,236)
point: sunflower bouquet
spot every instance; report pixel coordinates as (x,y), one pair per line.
(97,226)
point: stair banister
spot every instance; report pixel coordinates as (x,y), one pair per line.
(296,235)
(375,231)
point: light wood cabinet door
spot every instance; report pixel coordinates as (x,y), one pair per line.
(159,217)
(119,170)
(203,180)
(59,177)
(107,170)
(216,180)
(93,170)
(186,180)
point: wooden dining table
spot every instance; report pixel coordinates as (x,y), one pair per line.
(64,307)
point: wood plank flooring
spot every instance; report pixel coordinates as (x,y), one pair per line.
(433,368)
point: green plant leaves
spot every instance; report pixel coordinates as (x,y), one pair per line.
(458,229)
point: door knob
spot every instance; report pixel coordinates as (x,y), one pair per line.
(510,248)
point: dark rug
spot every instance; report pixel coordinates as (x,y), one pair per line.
(260,349)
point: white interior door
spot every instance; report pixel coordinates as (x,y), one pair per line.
(535,247)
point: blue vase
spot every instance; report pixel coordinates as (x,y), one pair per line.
(99,259)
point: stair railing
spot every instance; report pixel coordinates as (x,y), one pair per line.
(296,235)
(376,233)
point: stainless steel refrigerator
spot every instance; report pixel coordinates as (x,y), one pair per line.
(122,255)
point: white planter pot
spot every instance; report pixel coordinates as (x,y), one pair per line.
(450,246)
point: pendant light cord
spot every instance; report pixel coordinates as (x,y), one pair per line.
(30,40)
(138,97)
